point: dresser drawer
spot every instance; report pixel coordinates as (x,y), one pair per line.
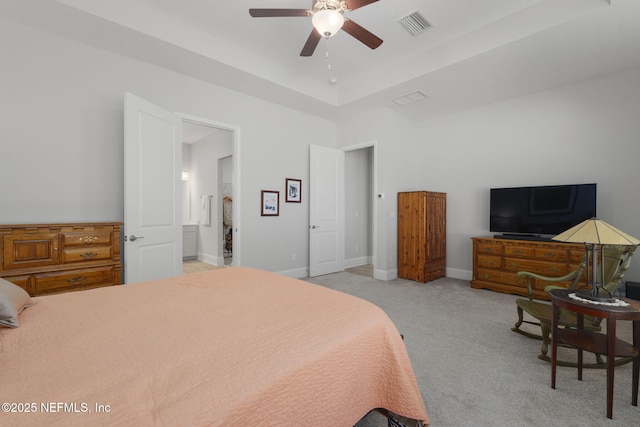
(86,278)
(502,277)
(85,238)
(518,251)
(489,261)
(533,266)
(575,256)
(558,255)
(489,248)
(86,254)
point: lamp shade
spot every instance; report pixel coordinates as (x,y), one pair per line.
(327,22)
(595,231)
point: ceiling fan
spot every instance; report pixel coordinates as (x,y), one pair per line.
(328,18)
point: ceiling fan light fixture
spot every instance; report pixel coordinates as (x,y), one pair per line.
(327,22)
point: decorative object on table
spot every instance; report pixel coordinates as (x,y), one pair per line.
(270,203)
(294,190)
(595,234)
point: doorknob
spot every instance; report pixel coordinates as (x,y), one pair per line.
(133,237)
(313,227)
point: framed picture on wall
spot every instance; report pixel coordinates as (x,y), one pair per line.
(270,203)
(294,190)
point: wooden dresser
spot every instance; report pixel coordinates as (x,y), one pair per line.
(497,261)
(422,235)
(53,258)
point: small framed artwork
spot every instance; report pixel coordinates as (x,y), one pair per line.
(270,203)
(294,190)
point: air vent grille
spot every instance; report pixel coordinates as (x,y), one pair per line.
(409,98)
(414,23)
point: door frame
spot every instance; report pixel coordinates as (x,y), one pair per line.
(373,144)
(237,185)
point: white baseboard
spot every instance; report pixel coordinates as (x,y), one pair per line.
(385,275)
(356,262)
(210,259)
(296,273)
(457,273)
(454,273)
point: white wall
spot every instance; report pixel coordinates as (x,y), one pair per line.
(62,153)
(585,132)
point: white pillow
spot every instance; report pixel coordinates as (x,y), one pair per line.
(13,299)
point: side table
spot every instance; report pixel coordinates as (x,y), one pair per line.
(606,344)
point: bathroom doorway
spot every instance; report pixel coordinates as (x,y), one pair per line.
(209,159)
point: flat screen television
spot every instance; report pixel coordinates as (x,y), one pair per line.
(540,211)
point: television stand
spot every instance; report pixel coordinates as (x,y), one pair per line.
(515,236)
(496,263)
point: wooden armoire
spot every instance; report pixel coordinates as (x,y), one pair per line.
(422,235)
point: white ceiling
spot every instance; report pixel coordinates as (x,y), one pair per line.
(477,51)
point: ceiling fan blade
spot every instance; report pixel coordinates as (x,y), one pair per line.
(356,4)
(365,36)
(274,13)
(312,42)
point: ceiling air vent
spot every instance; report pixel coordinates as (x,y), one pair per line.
(414,23)
(409,98)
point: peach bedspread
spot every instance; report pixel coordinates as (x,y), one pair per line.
(234,346)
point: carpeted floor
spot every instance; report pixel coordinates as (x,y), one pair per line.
(474,371)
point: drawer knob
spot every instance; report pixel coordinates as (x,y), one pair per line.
(88,255)
(77,279)
(517,252)
(88,239)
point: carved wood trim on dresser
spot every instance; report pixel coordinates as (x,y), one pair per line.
(497,261)
(53,258)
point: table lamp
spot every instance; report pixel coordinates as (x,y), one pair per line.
(595,233)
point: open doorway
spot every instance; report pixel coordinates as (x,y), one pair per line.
(209,159)
(360,242)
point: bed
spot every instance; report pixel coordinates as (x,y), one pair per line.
(233,346)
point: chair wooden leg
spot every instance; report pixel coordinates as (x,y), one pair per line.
(546,332)
(520,317)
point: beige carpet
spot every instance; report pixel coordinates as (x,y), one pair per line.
(474,371)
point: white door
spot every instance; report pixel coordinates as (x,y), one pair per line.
(326,210)
(152,191)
